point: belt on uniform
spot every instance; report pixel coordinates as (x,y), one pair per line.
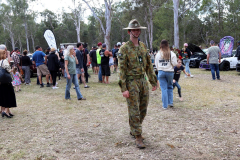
(135,77)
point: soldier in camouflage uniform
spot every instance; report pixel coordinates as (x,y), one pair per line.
(134,62)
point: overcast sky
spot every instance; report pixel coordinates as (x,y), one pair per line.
(57,6)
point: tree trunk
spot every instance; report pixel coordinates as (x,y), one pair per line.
(12,40)
(20,44)
(26,33)
(176,26)
(108,18)
(145,33)
(151,24)
(108,23)
(33,43)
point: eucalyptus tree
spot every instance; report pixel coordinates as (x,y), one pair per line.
(77,17)
(49,19)
(150,7)
(8,22)
(21,11)
(108,20)
(190,4)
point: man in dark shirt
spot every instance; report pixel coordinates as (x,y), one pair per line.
(105,63)
(115,56)
(93,59)
(80,65)
(47,51)
(61,60)
(85,62)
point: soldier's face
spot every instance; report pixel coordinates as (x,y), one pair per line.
(135,33)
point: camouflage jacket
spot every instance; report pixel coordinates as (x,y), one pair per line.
(134,61)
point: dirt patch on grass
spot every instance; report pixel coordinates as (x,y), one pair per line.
(203,126)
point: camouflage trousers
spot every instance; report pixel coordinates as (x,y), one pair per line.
(137,103)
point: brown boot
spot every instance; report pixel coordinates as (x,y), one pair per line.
(139,142)
(135,136)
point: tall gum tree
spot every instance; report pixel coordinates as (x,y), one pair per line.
(108,19)
(191,4)
(76,16)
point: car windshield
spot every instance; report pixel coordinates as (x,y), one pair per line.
(205,50)
(225,56)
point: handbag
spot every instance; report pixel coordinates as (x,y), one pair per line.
(5,76)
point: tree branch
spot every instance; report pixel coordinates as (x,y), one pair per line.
(191,6)
(94,14)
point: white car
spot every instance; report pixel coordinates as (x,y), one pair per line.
(227,62)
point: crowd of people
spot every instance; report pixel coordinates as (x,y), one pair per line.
(135,62)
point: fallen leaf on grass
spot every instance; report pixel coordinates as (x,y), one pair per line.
(234,131)
(170,145)
(118,144)
(96,125)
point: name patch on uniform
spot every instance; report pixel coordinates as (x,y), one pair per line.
(140,59)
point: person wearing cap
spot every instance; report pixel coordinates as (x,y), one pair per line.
(53,66)
(105,54)
(186,54)
(238,50)
(134,63)
(99,62)
(115,55)
(47,51)
(214,58)
(93,59)
(15,58)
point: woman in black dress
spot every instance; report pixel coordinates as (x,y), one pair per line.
(7,95)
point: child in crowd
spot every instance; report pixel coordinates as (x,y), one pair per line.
(111,64)
(16,82)
(177,72)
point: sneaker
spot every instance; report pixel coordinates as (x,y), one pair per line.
(87,86)
(164,108)
(218,79)
(55,87)
(48,85)
(74,87)
(82,99)
(41,85)
(180,98)
(170,105)
(191,76)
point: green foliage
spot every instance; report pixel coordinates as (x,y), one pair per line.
(205,21)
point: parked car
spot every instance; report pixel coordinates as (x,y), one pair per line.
(197,55)
(227,62)
(238,66)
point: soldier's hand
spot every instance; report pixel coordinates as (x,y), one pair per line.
(154,88)
(125,94)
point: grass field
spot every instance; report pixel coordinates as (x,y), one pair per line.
(46,126)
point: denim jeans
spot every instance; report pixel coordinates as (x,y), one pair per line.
(73,80)
(186,63)
(166,84)
(215,68)
(178,87)
(100,73)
